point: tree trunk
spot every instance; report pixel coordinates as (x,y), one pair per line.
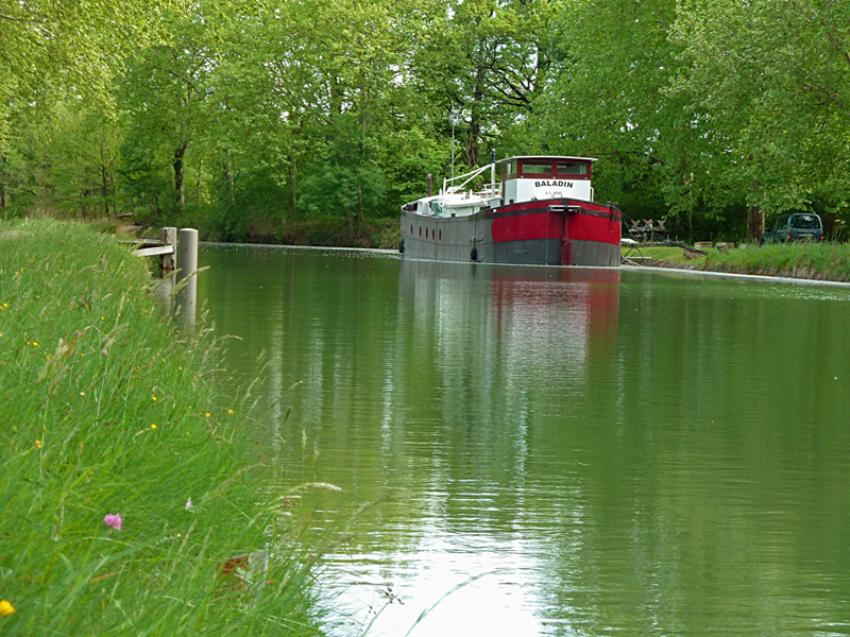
(104,179)
(293,188)
(4,197)
(475,118)
(104,189)
(179,176)
(755,225)
(475,108)
(755,217)
(359,218)
(335,96)
(688,181)
(83,206)
(231,185)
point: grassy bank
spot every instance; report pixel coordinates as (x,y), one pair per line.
(823,261)
(102,412)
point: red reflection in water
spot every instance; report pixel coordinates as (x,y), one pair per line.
(590,297)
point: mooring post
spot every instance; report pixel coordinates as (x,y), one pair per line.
(187,281)
(163,289)
(168,262)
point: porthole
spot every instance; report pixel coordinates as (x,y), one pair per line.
(420,231)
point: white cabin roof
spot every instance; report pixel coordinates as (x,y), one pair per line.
(550,157)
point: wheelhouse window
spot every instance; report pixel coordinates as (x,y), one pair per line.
(572,168)
(510,169)
(536,168)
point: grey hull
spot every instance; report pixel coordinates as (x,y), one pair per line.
(470,239)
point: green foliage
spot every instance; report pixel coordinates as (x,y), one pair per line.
(343,177)
(65,50)
(245,115)
(770,78)
(822,261)
(827,261)
(104,408)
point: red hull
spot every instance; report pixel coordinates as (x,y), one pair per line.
(566,220)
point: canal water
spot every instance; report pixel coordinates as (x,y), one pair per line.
(548,451)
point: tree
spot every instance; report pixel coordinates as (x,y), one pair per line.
(49,49)
(84,154)
(773,77)
(343,177)
(291,101)
(164,95)
(60,51)
(610,65)
(485,61)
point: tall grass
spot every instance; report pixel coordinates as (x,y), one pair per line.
(105,409)
(824,261)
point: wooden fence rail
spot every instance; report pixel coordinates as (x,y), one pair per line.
(177,252)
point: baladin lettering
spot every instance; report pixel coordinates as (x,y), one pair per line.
(559,183)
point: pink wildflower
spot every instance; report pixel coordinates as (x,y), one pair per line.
(113,521)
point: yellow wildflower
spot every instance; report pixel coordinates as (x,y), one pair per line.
(4,306)
(153,426)
(38,444)
(82,393)
(6,608)
(207,414)
(154,398)
(230,412)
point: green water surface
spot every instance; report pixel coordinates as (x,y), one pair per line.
(583,452)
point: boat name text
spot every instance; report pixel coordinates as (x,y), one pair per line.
(553,182)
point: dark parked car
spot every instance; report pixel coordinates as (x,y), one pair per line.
(798,226)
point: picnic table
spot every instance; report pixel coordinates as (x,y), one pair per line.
(642,230)
(632,253)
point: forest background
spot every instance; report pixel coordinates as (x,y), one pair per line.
(311,121)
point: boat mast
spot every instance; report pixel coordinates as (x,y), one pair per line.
(493,171)
(453,120)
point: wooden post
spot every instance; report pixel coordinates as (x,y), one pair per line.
(187,258)
(163,289)
(168,262)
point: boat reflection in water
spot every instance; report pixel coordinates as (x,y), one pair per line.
(502,323)
(481,448)
(597,475)
(463,400)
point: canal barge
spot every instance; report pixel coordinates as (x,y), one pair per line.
(541,211)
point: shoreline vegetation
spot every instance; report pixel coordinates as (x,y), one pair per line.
(825,261)
(819,261)
(379,233)
(313,122)
(129,496)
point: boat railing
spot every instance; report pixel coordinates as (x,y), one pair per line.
(467,177)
